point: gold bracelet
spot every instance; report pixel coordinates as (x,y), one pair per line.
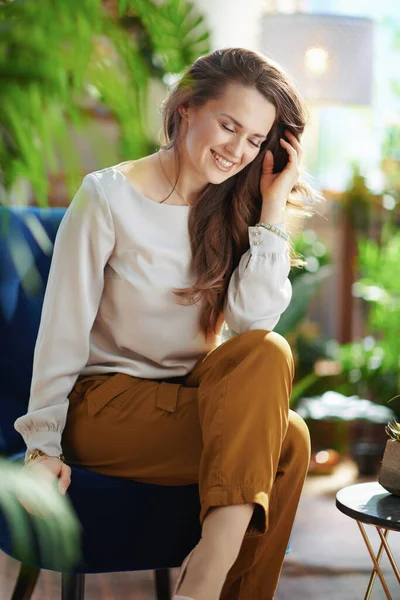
(35,453)
(274,229)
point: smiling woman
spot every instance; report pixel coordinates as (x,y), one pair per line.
(232,127)
(227,128)
(130,378)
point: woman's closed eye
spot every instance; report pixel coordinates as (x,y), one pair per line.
(233,131)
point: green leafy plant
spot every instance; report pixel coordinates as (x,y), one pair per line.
(304,338)
(176,31)
(306,281)
(305,288)
(61,61)
(358,202)
(57,528)
(372,364)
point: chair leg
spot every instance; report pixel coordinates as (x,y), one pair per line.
(27,578)
(25,584)
(163,584)
(72,586)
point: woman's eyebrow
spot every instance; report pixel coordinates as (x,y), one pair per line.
(260,135)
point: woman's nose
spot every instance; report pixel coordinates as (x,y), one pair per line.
(235,147)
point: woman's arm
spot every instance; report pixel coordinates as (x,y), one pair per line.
(83,245)
(259,290)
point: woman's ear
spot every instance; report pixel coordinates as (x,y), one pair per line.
(183,111)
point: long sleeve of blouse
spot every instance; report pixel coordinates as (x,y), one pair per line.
(259,290)
(84,242)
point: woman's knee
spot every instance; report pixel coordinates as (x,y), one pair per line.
(297,438)
(267,345)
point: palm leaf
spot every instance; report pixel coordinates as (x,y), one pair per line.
(57,528)
(176,30)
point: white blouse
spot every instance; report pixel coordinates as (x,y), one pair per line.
(108,305)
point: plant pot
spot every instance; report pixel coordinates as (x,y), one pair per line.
(389,476)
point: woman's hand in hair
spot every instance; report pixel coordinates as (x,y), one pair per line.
(276,187)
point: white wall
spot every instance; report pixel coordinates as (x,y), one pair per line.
(233,22)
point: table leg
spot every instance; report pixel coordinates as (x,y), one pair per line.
(373,574)
(375,559)
(389,552)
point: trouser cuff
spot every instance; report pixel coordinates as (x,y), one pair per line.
(228,495)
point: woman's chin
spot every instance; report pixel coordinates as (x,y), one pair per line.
(215,177)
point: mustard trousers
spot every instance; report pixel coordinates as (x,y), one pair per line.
(226,425)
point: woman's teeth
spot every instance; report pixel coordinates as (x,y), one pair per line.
(221,161)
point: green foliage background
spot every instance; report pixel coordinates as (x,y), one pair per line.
(58,57)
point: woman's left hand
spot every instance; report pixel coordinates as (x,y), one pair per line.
(276,187)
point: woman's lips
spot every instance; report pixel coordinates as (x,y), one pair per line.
(219,165)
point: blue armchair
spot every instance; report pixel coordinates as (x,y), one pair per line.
(126,525)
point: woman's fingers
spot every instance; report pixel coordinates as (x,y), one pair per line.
(64,479)
(291,152)
(295,143)
(268,163)
(45,471)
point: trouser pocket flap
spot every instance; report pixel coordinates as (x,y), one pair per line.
(167,396)
(107,391)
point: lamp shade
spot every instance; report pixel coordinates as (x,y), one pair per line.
(329,56)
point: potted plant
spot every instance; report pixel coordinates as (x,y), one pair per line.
(389,476)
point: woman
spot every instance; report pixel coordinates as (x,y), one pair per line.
(152,256)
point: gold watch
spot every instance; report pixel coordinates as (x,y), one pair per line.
(35,453)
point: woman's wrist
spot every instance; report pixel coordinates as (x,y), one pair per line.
(274,229)
(38,455)
(35,461)
(272,215)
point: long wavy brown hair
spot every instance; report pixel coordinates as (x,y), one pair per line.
(220,217)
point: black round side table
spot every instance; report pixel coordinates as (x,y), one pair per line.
(370,503)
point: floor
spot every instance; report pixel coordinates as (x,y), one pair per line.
(329,560)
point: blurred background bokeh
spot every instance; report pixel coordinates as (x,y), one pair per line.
(81,86)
